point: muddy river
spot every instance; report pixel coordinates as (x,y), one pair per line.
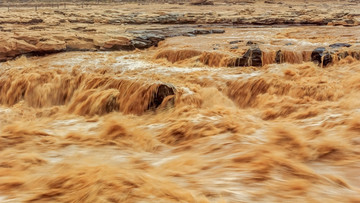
(177,123)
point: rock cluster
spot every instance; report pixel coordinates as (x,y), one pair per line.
(325,55)
(35,44)
(252,57)
(143,26)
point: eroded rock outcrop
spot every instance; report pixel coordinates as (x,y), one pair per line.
(35,44)
(252,57)
(321,56)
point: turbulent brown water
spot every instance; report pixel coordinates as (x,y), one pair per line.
(127,127)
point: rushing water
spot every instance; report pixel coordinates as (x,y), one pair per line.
(87,127)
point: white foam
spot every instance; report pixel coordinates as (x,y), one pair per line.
(168,70)
(4,199)
(156,126)
(129,62)
(187,91)
(242,75)
(5,110)
(164,160)
(318,122)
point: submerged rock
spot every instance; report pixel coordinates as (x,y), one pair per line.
(217,31)
(235,41)
(339,45)
(321,56)
(201,2)
(250,43)
(201,32)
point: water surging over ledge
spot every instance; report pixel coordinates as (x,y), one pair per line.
(231,135)
(83,93)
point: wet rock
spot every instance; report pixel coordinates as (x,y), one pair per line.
(350,21)
(82,20)
(270,2)
(141,43)
(321,56)
(59,12)
(339,45)
(235,41)
(201,2)
(118,44)
(201,32)
(278,57)
(111,104)
(154,38)
(251,43)
(34,21)
(160,94)
(355,55)
(217,31)
(147,40)
(342,55)
(252,57)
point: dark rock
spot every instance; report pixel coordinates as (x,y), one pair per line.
(217,31)
(278,56)
(235,41)
(160,94)
(343,55)
(147,40)
(89,30)
(201,2)
(155,38)
(349,21)
(201,32)
(189,35)
(83,20)
(251,43)
(141,44)
(355,55)
(252,57)
(111,104)
(79,28)
(59,12)
(34,21)
(234,47)
(269,2)
(288,44)
(321,56)
(339,45)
